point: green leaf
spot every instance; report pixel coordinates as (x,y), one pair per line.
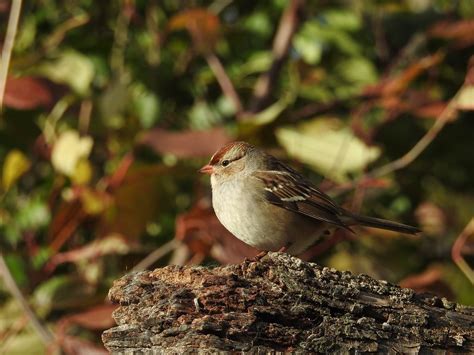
(259,23)
(26,34)
(146,105)
(17,268)
(41,256)
(60,293)
(202,115)
(33,213)
(114,102)
(44,295)
(328,146)
(317,33)
(309,47)
(258,62)
(357,70)
(71,68)
(342,19)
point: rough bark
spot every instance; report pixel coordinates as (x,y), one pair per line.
(279,304)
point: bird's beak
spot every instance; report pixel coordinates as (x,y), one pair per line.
(207,169)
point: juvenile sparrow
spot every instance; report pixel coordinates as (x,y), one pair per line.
(271,207)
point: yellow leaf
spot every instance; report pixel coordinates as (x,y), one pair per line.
(82,173)
(329,146)
(465,100)
(68,150)
(93,202)
(15,165)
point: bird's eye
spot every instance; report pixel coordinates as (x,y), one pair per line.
(225,162)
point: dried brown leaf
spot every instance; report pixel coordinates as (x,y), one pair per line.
(203,26)
(95,318)
(186,144)
(461,32)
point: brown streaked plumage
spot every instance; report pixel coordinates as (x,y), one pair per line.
(269,205)
(241,147)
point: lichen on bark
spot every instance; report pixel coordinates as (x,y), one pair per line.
(279,304)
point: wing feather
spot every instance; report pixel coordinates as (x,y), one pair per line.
(288,189)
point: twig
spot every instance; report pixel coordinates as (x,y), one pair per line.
(415,151)
(157,254)
(447,114)
(224,81)
(456,251)
(312,109)
(43,332)
(8,46)
(85,116)
(287,27)
(115,180)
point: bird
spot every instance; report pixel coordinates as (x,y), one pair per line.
(272,207)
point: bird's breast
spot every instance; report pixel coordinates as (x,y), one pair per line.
(249,217)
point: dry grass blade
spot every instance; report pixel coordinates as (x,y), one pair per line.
(44,333)
(8,46)
(457,248)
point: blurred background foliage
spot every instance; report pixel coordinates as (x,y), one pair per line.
(110,108)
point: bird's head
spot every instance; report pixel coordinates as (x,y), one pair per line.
(232,159)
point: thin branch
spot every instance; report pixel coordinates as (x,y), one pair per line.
(289,22)
(43,332)
(224,81)
(456,254)
(445,116)
(312,109)
(8,46)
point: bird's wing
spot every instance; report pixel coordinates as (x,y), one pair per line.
(288,189)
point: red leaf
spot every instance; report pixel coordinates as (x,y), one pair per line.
(431,110)
(186,144)
(96,318)
(26,93)
(461,32)
(429,280)
(204,27)
(66,219)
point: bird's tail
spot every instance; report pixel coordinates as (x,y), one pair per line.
(355,219)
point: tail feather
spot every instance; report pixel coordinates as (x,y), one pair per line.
(379,223)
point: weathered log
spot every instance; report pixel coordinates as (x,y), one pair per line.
(279,304)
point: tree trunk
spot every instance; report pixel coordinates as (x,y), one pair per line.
(279,304)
